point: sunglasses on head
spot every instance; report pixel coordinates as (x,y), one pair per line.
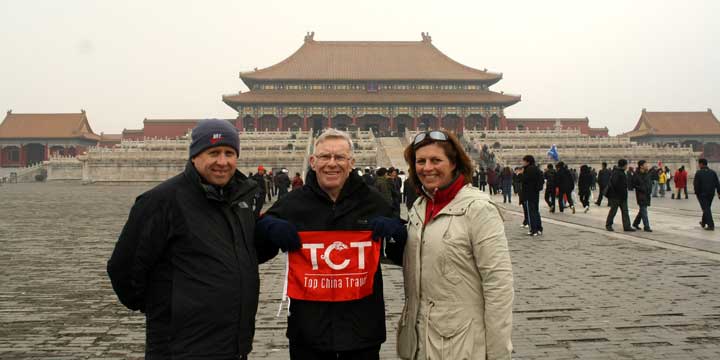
(435,135)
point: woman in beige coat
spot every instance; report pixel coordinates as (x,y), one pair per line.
(456,265)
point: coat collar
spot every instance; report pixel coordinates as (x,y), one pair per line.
(352,184)
(458,205)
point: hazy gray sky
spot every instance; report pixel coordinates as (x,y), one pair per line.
(123,61)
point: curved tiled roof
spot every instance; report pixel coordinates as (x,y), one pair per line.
(47,126)
(676,123)
(369,60)
(364,97)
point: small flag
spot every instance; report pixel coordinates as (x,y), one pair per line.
(553,153)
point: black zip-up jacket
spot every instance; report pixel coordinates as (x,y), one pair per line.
(532,182)
(584,182)
(549,175)
(618,186)
(706,183)
(643,186)
(187,259)
(564,180)
(604,177)
(335,326)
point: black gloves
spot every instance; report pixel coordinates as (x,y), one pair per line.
(280,232)
(384,227)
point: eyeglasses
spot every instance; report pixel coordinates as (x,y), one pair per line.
(325,158)
(435,135)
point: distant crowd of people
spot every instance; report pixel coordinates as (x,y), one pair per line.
(560,183)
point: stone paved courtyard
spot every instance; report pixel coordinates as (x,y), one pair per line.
(581,293)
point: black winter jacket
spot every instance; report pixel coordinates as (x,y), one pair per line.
(549,175)
(643,187)
(564,180)
(603,178)
(706,183)
(335,326)
(186,258)
(618,186)
(532,182)
(584,182)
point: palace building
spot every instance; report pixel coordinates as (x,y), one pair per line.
(31,138)
(386,86)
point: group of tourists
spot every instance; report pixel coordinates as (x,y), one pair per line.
(188,255)
(560,182)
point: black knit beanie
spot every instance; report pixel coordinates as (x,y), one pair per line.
(213,132)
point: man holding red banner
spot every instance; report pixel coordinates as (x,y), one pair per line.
(330,229)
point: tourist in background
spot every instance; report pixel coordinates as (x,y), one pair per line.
(706,184)
(593,175)
(369,177)
(461,306)
(668,177)
(334,198)
(506,184)
(282,183)
(655,178)
(498,170)
(566,185)
(409,193)
(482,179)
(680,179)
(186,256)
(642,185)
(603,180)
(297,181)
(492,178)
(532,183)
(259,179)
(584,182)
(629,175)
(661,181)
(550,187)
(617,194)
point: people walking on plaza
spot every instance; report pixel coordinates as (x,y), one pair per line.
(706,184)
(593,175)
(617,194)
(668,177)
(584,182)
(466,312)
(297,181)
(532,183)
(482,179)
(642,184)
(492,180)
(409,193)
(629,175)
(680,179)
(661,181)
(369,176)
(333,200)
(186,256)
(565,183)
(655,178)
(259,179)
(603,180)
(550,187)
(506,184)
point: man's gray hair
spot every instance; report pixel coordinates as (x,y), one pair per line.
(331,133)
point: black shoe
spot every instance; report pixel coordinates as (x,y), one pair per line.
(609,228)
(647,230)
(702,225)
(597,203)
(573,208)
(636,226)
(709,228)
(629,230)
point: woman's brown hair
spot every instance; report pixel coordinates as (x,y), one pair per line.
(453,150)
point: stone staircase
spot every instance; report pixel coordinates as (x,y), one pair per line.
(393,148)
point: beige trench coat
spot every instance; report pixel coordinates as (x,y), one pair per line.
(458,282)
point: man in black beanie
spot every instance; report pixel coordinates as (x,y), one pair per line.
(187,257)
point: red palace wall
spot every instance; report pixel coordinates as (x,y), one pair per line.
(167,130)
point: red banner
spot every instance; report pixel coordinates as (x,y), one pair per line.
(333,266)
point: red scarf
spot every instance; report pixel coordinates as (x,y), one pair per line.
(442,197)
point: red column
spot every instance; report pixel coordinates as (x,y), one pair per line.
(46,156)
(280,123)
(256,123)
(1,155)
(354,120)
(415,123)
(239,124)
(330,122)
(305,124)
(462,124)
(22,156)
(392,123)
